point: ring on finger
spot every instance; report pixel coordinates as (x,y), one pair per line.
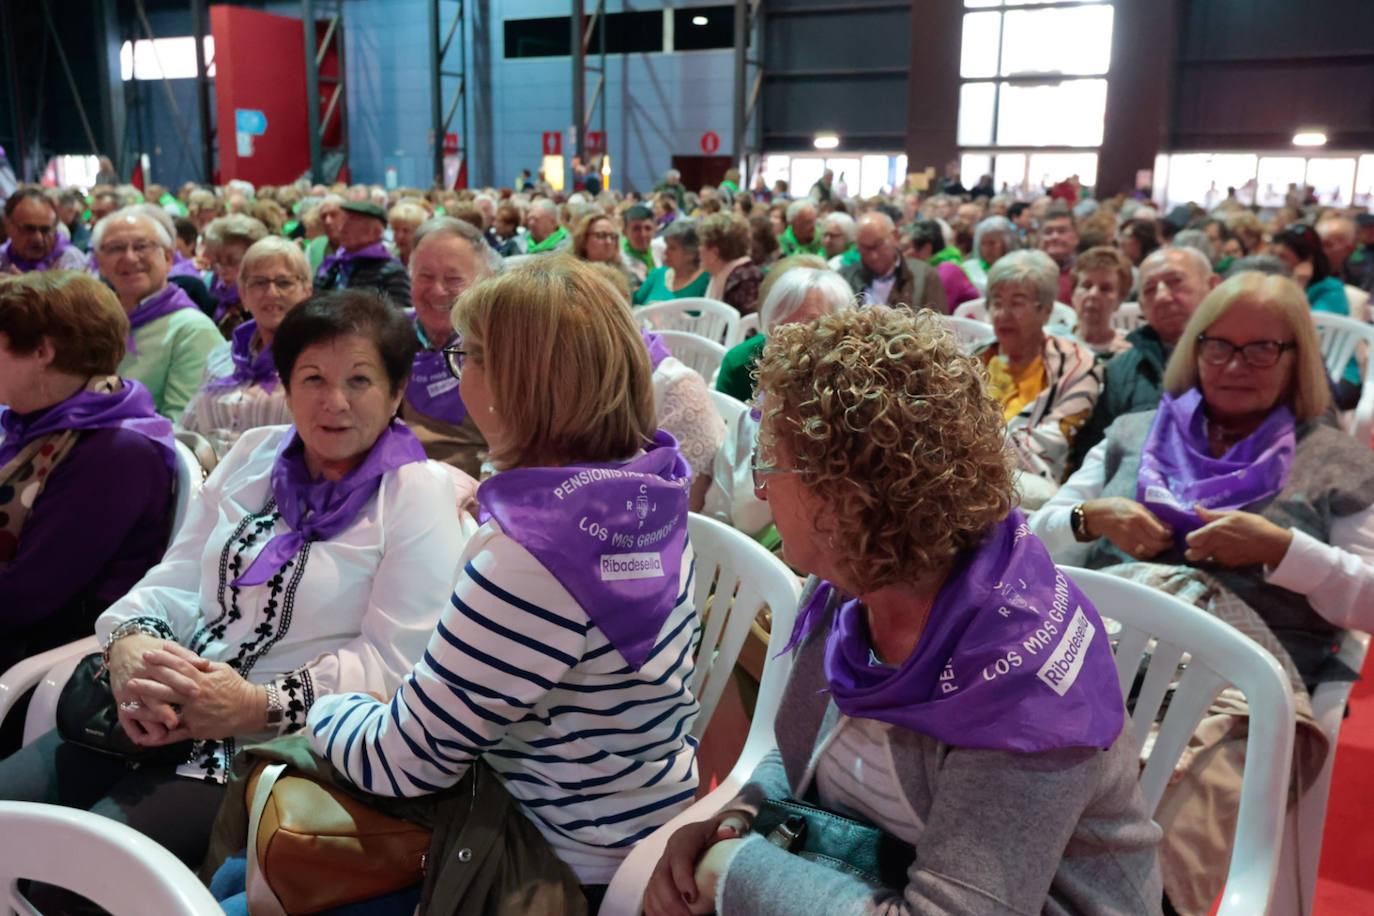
(130,705)
(1140,549)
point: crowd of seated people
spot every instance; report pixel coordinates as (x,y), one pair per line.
(357,359)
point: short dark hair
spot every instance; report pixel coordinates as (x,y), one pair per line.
(27,192)
(638,211)
(1016,209)
(1059,211)
(891,211)
(926,232)
(1307,245)
(1144,232)
(186,230)
(339,313)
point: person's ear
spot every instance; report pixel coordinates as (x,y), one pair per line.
(1213,280)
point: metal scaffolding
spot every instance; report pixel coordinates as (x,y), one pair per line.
(581,40)
(326,162)
(442,54)
(748,123)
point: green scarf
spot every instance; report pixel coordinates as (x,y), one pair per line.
(790,245)
(550,243)
(644,257)
(948,253)
(851,256)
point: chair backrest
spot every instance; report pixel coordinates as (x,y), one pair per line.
(728,407)
(1127,317)
(696,351)
(200,447)
(748,326)
(1339,337)
(101,859)
(709,318)
(1062,318)
(735,578)
(971,334)
(189,477)
(1359,302)
(1156,631)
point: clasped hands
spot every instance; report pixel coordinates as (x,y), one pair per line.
(166,693)
(1232,538)
(684,880)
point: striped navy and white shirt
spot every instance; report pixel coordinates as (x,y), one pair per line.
(597,754)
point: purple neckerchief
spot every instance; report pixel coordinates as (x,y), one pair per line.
(171,298)
(343,256)
(612,534)
(1178,472)
(318,509)
(226,293)
(182,266)
(43,263)
(432,389)
(130,407)
(1013,656)
(249,369)
(658,350)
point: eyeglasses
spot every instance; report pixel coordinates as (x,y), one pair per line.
(761,472)
(1258,354)
(455,357)
(260,284)
(603,236)
(142,248)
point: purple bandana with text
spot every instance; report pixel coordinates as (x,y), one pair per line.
(432,389)
(1013,657)
(612,534)
(171,298)
(1178,472)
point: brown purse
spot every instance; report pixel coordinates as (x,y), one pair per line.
(312,847)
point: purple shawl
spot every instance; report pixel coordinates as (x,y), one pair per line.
(43,263)
(1013,656)
(318,509)
(182,266)
(171,298)
(131,408)
(248,369)
(1178,472)
(658,350)
(432,389)
(612,534)
(343,257)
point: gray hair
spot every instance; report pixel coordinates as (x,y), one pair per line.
(790,290)
(160,215)
(1199,262)
(543,203)
(1031,269)
(1195,239)
(684,233)
(844,222)
(797,206)
(996,227)
(239,186)
(132,212)
(234,229)
(450,227)
(672,175)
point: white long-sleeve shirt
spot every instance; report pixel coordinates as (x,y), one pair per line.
(1337,578)
(597,754)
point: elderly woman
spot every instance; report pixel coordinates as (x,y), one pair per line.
(227,239)
(1047,385)
(315,560)
(242,390)
(596,239)
(71,542)
(914,703)
(1101,278)
(735,278)
(681,276)
(1235,495)
(403,219)
(1300,249)
(568,682)
(992,238)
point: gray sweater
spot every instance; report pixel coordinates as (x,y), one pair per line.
(1054,832)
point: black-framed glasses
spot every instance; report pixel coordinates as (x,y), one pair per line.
(1258,354)
(455,357)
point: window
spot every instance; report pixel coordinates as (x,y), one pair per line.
(1067,113)
(700,28)
(172,58)
(1204,177)
(626,33)
(1364,183)
(1276,173)
(1332,180)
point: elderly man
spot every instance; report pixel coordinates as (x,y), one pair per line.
(450,255)
(800,236)
(169,337)
(1173,281)
(1348,262)
(883,277)
(838,232)
(672,184)
(1058,239)
(71,203)
(637,244)
(546,233)
(34,242)
(822,190)
(361,260)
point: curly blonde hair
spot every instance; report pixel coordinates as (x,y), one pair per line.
(892,429)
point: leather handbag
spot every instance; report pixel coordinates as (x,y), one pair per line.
(836,841)
(87,716)
(312,847)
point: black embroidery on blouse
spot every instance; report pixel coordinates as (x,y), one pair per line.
(298,688)
(230,568)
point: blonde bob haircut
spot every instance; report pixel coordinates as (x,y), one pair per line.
(1310,393)
(566,365)
(274,246)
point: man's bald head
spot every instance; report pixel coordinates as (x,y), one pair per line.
(877,242)
(1338,240)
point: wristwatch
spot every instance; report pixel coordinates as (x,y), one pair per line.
(1078,524)
(275,711)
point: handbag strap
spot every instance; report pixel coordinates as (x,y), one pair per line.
(262,900)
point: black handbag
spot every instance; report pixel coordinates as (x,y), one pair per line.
(86,716)
(842,843)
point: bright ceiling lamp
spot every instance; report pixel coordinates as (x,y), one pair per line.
(826,141)
(699,20)
(1309,137)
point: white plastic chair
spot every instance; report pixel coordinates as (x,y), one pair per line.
(1127,317)
(748,326)
(1219,655)
(1062,318)
(189,477)
(728,407)
(103,860)
(696,351)
(1340,337)
(715,320)
(970,334)
(733,561)
(1359,302)
(1305,825)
